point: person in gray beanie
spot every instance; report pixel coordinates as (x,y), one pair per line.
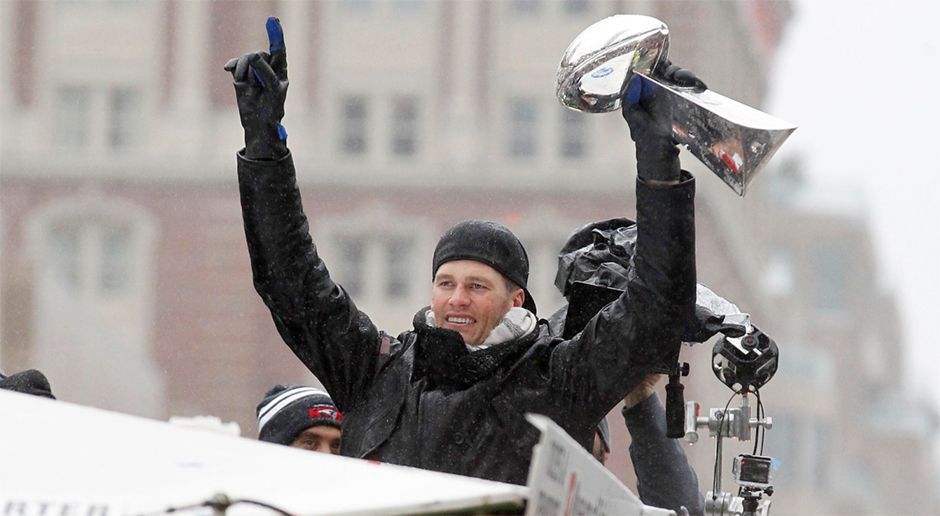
(451,394)
(301,417)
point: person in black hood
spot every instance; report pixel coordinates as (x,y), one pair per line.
(451,394)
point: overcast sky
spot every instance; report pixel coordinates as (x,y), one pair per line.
(861,80)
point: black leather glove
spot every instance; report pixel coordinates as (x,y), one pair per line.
(260,89)
(671,73)
(650,119)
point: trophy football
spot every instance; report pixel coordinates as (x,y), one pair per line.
(733,140)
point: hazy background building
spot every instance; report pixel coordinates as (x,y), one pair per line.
(123,269)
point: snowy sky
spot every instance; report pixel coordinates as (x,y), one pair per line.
(861,79)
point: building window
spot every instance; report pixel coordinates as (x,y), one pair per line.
(398,257)
(778,276)
(786,443)
(71,117)
(116,251)
(820,474)
(810,367)
(576,6)
(124,115)
(354,125)
(93,303)
(64,256)
(831,271)
(91,257)
(352,265)
(96,117)
(523,128)
(373,265)
(525,6)
(802,445)
(357,6)
(543,266)
(404,126)
(573,137)
(408,6)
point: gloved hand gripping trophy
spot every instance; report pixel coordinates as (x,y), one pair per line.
(650,120)
(260,80)
(732,139)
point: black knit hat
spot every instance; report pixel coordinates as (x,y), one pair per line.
(30,381)
(288,410)
(489,243)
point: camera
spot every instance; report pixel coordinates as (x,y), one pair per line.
(752,470)
(745,362)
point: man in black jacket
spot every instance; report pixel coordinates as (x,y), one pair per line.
(451,394)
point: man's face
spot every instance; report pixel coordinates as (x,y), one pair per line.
(471,298)
(320,438)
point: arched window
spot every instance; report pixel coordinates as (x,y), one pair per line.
(93,303)
(382,258)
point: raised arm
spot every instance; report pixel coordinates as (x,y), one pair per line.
(314,315)
(640,331)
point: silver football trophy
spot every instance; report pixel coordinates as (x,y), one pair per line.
(733,140)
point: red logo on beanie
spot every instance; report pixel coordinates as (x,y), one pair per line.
(325,412)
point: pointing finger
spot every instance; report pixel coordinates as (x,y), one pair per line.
(277,47)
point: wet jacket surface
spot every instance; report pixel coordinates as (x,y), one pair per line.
(664,476)
(421,398)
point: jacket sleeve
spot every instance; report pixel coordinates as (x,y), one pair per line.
(314,315)
(640,330)
(664,477)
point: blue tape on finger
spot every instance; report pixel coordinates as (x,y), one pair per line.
(638,89)
(275,34)
(634,90)
(281,133)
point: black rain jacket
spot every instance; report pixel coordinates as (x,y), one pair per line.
(422,399)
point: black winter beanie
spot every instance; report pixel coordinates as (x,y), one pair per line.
(489,243)
(288,410)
